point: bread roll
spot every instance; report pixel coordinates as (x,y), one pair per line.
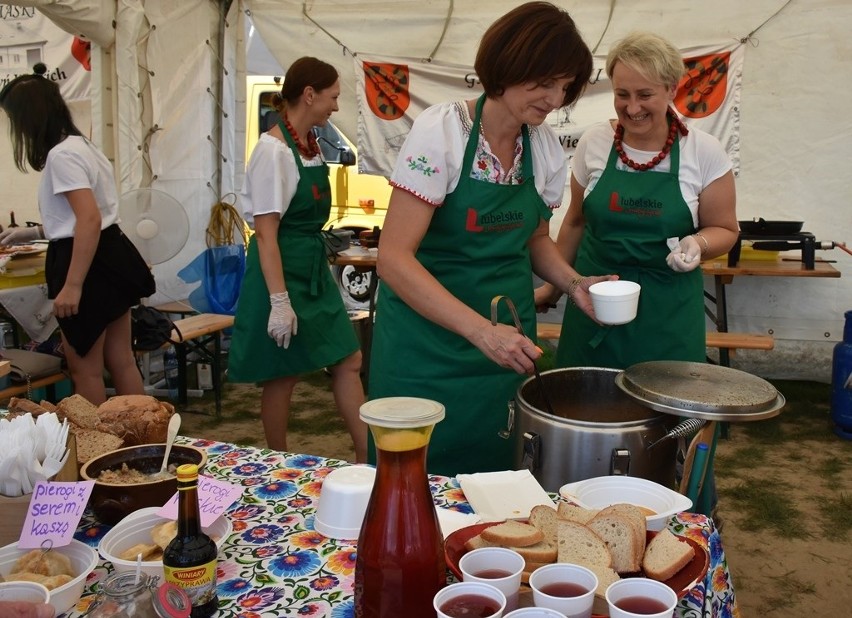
(137,419)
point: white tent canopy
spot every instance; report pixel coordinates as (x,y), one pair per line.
(166,97)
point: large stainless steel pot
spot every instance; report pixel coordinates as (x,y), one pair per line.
(596,430)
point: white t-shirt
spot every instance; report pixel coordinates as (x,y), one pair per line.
(75,163)
(271,178)
(702,160)
(429,163)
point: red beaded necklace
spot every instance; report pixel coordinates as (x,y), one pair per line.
(309,151)
(675,125)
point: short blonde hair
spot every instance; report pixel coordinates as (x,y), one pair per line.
(651,55)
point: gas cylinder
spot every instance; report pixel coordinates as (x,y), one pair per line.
(841,383)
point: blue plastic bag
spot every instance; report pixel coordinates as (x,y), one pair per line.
(220,271)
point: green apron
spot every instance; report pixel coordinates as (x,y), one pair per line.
(476,247)
(629,216)
(325,335)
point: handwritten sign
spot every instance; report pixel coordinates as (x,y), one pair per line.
(214,497)
(53,514)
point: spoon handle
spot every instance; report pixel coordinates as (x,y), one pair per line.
(174,426)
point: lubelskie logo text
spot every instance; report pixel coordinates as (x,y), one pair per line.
(641,206)
(319,195)
(493,222)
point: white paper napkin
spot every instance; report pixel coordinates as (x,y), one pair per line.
(496,496)
(454,520)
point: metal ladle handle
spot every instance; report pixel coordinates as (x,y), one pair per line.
(495,302)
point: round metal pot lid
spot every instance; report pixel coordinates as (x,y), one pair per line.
(701,390)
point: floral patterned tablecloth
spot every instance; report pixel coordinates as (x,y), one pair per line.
(275,564)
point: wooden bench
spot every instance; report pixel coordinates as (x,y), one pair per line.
(727,341)
(195,333)
(49,382)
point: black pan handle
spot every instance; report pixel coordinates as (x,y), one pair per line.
(768,245)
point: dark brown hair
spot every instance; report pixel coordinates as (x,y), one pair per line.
(532,43)
(39,118)
(304,72)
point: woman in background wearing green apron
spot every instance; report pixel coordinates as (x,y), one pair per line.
(468,220)
(290,317)
(649,200)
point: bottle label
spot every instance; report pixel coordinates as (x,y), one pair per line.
(199,582)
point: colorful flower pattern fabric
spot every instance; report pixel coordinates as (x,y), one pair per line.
(275,564)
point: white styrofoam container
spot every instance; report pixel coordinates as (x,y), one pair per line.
(83,560)
(136,528)
(602,491)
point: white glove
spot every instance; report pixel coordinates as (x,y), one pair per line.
(282,319)
(686,256)
(15,235)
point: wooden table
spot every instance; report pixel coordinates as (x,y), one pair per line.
(723,275)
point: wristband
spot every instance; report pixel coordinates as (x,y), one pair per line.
(572,288)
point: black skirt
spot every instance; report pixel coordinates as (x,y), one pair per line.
(117,280)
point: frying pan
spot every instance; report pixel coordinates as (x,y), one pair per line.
(762,227)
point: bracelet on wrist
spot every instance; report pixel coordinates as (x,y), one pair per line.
(572,288)
(706,244)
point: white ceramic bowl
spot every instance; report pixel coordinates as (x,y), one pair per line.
(615,302)
(602,491)
(136,528)
(83,560)
(343,501)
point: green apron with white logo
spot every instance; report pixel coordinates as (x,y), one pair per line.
(325,335)
(476,247)
(629,216)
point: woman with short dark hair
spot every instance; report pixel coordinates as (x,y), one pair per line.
(474,186)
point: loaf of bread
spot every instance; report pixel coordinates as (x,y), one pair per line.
(137,419)
(665,556)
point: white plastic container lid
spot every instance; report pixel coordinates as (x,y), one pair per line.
(402,412)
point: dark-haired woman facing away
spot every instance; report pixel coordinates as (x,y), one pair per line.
(94,273)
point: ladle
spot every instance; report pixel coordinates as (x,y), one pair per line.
(511,305)
(174,426)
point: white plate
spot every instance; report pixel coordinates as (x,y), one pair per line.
(496,496)
(602,491)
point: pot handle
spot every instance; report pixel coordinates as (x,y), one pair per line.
(619,463)
(510,421)
(532,451)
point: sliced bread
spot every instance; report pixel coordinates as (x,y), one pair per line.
(666,555)
(80,411)
(618,533)
(579,544)
(637,519)
(91,443)
(513,533)
(542,552)
(475,542)
(572,512)
(606,576)
(544,518)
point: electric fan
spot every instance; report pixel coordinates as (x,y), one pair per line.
(155,222)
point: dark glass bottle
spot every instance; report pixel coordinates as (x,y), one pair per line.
(12,222)
(189,561)
(400,562)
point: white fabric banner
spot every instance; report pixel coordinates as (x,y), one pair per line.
(391,92)
(28,37)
